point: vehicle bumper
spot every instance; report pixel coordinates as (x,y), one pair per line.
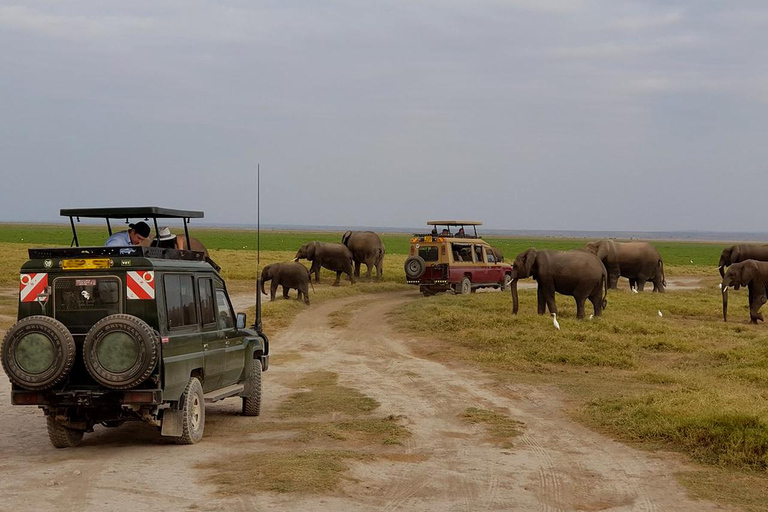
(264,362)
(87,398)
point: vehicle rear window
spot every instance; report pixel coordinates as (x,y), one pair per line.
(179,300)
(429,253)
(80,302)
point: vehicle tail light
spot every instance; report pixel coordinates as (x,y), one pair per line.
(142,397)
(27,399)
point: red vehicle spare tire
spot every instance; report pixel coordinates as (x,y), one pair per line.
(121,351)
(38,352)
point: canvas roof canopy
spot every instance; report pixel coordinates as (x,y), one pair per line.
(454,223)
(132,212)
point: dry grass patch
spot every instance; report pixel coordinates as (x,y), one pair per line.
(325,396)
(303,472)
(500,427)
(728,487)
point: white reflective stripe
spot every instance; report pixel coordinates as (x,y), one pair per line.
(33,282)
(130,294)
(138,278)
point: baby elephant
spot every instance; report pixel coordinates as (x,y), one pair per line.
(752,274)
(288,275)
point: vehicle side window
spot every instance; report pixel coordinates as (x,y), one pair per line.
(491,257)
(207,305)
(225,311)
(479,254)
(180,300)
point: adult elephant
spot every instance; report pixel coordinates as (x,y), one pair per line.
(754,275)
(577,273)
(367,248)
(334,257)
(640,262)
(739,253)
(289,275)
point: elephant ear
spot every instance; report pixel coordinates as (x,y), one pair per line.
(529,259)
(345,237)
(736,254)
(311,248)
(604,249)
(749,272)
(266,273)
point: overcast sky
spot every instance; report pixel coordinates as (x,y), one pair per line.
(524,114)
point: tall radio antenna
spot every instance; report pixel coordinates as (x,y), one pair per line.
(257,323)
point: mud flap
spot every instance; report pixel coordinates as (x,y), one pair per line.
(172,423)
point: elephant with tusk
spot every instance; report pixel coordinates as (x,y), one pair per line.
(754,275)
(577,273)
(739,253)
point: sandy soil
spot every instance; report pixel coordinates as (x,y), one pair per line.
(555,465)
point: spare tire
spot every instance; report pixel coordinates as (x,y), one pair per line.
(415,267)
(38,352)
(121,351)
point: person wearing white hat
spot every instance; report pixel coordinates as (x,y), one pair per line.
(165,238)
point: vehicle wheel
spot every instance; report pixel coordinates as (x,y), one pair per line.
(252,393)
(121,351)
(112,423)
(193,413)
(466,286)
(61,436)
(505,282)
(415,267)
(38,352)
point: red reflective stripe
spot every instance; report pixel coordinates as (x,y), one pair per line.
(136,289)
(32,293)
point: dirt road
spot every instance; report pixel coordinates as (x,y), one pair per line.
(555,465)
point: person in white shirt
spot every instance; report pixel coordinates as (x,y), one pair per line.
(134,236)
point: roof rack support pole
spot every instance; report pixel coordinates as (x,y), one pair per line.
(74,233)
(157,231)
(186,232)
(109,227)
(475,228)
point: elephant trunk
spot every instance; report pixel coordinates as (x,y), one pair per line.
(515,300)
(721,268)
(263,278)
(724,289)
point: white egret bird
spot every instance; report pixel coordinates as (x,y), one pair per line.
(554,321)
(591,317)
(634,290)
(660,313)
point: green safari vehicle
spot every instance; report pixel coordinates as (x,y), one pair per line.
(113,334)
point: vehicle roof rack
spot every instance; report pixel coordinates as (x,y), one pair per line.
(131,212)
(454,223)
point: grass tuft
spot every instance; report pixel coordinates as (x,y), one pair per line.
(501,428)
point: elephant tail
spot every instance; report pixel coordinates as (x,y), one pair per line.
(309,274)
(663,276)
(604,302)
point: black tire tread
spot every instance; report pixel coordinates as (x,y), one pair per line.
(154,355)
(67,345)
(188,436)
(61,436)
(252,395)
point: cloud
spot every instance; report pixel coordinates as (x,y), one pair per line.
(71,26)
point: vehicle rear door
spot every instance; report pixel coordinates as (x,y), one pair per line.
(234,339)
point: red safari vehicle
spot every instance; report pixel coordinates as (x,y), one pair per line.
(447,258)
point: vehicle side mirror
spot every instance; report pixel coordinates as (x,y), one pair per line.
(240,321)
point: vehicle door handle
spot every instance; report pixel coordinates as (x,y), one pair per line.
(205,346)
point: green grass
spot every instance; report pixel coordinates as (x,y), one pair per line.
(687,380)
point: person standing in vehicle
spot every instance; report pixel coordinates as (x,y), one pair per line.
(134,236)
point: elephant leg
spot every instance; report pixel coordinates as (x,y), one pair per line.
(305,290)
(379,272)
(315,269)
(285,292)
(542,300)
(658,284)
(756,301)
(273,290)
(338,277)
(597,303)
(641,280)
(351,275)
(358,264)
(550,297)
(580,307)
(613,278)
(632,283)
(369,266)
